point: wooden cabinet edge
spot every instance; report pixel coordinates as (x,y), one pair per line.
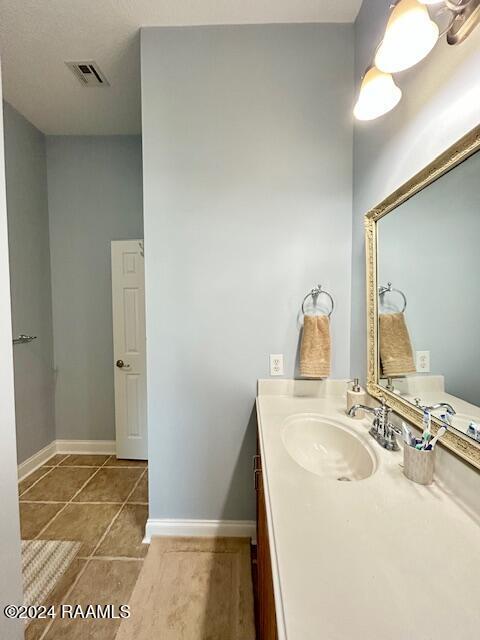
(266,616)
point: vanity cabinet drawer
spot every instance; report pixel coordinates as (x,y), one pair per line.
(265,618)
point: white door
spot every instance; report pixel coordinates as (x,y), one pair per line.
(128,297)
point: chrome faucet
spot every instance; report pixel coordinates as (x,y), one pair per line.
(382,429)
(439,405)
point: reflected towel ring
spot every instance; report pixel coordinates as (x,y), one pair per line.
(382,290)
(314,293)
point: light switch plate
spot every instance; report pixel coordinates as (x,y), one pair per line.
(423,361)
(276,364)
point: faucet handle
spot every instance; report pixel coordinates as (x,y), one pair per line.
(384,409)
(395,429)
(389,439)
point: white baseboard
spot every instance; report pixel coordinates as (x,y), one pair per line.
(106,447)
(35,461)
(200,528)
(155,526)
(86,446)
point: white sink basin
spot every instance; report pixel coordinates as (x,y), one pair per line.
(327,448)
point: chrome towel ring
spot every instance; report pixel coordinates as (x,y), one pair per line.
(314,293)
(382,290)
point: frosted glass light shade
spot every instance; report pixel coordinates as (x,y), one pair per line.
(431,1)
(378,94)
(410,35)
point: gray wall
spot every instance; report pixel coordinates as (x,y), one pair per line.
(10,566)
(441,102)
(95,196)
(27,203)
(429,248)
(247,140)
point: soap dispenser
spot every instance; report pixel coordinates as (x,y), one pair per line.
(356,395)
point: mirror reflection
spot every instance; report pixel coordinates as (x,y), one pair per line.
(428,298)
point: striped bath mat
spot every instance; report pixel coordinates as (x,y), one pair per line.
(43,564)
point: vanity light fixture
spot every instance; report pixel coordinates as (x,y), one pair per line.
(410,35)
(378,95)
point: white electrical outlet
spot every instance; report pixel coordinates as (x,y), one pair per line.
(423,361)
(276,364)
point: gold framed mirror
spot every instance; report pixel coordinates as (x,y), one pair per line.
(409,211)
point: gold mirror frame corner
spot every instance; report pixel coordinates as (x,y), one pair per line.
(462,446)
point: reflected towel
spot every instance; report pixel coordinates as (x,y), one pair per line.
(315,347)
(396,354)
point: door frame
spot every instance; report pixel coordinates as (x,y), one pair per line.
(11,587)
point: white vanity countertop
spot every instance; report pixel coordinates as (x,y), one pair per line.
(377,559)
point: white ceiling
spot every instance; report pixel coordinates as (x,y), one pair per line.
(37,36)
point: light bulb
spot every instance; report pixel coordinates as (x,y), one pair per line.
(431,1)
(378,94)
(410,35)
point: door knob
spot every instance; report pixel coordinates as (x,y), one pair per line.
(120,364)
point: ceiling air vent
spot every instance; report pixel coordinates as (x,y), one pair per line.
(88,73)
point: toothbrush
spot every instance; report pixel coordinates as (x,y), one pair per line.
(426,435)
(407,435)
(441,432)
(424,443)
(447,418)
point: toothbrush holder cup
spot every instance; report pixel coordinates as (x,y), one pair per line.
(419,465)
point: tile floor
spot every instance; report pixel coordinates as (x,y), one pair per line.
(101,502)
